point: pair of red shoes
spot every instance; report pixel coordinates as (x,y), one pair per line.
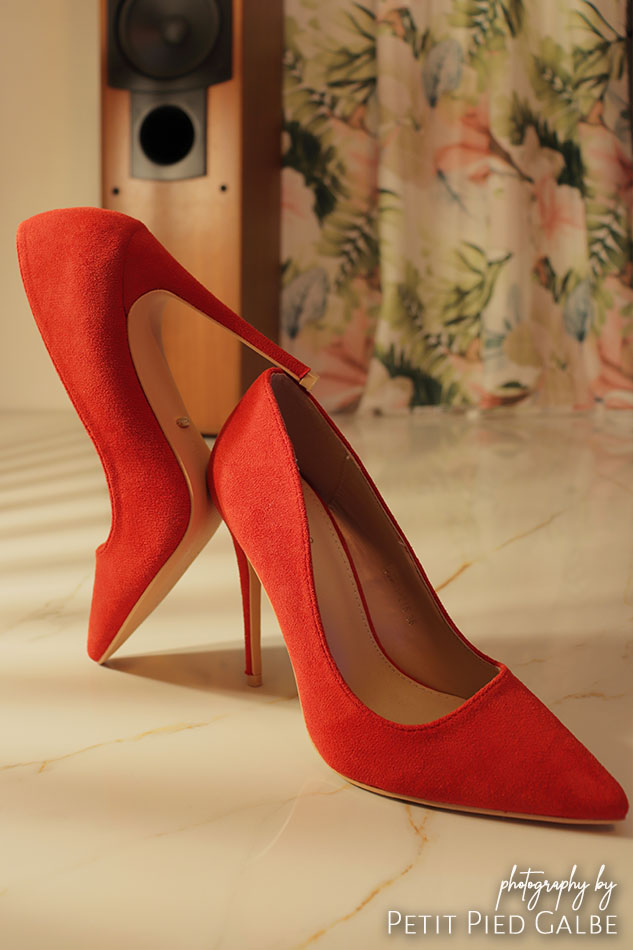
(394,696)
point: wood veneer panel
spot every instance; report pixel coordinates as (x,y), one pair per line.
(224,227)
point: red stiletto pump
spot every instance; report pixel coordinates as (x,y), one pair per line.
(94,280)
(394,696)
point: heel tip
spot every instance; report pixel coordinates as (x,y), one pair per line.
(309,380)
(254,679)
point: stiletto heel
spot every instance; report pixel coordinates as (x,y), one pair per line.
(394,696)
(251,605)
(153,272)
(95,280)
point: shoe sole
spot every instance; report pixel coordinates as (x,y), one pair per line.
(550,819)
(188,446)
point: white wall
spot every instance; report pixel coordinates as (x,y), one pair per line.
(49,158)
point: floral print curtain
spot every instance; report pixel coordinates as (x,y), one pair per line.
(457,194)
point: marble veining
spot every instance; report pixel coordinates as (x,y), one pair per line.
(162,730)
(159,803)
(418,830)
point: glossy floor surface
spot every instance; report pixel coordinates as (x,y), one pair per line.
(161,804)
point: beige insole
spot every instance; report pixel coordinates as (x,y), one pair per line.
(364,666)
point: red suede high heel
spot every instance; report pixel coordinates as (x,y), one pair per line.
(394,696)
(94,279)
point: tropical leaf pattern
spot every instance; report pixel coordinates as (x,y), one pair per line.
(457,202)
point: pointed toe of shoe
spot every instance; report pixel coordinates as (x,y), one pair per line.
(610,803)
(614,804)
(541,769)
(562,779)
(106,618)
(590,793)
(502,752)
(566,782)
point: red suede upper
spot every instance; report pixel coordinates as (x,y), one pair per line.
(73,268)
(83,268)
(501,750)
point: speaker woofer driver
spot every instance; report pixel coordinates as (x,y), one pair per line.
(168,135)
(167,39)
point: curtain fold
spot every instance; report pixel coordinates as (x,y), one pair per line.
(457,195)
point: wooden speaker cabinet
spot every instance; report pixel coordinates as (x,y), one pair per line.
(223,222)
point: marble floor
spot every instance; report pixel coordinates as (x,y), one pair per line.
(161,804)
